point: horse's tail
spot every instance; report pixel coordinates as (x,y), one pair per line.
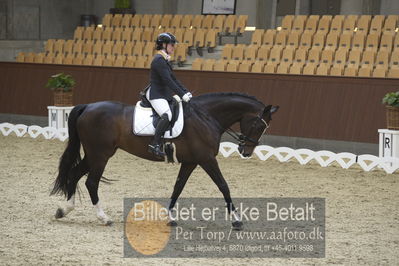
(71,156)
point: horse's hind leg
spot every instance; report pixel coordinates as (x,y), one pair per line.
(76,174)
(97,167)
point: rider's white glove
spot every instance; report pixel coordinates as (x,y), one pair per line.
(177,98)
(187,97)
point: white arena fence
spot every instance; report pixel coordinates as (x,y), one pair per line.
(325,158)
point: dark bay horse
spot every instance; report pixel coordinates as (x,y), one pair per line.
(103,127)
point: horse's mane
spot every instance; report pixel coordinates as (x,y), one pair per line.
(226,94)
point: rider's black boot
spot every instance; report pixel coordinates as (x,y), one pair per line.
(155,146)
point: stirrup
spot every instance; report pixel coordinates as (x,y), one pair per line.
(156,150)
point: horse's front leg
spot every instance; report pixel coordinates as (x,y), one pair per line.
(211,167)
(185,171)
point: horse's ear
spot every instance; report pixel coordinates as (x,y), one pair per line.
(267,109)
(274,109)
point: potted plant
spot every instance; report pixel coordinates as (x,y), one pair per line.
(62,85)
(122,7)
(391,101)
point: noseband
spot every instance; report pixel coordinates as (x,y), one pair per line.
(242,139)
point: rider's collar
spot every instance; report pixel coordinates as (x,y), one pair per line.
(164,55)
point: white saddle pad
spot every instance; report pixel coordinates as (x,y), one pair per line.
(142,122)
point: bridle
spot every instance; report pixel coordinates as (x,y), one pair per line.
(242,139)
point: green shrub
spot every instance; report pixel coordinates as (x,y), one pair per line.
(391,99)
(61,81)
(122,3)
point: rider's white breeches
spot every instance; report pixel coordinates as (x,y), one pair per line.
(161,106)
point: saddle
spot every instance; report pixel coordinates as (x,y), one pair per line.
(145,118)
(173,105)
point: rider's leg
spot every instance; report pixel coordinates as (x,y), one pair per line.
(162,126)
(161,106)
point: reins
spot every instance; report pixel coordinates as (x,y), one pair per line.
(241,138)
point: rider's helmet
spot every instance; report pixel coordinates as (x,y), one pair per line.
(165,37)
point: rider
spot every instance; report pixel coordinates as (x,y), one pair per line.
(164,87)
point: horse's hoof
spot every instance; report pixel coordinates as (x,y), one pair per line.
(109,223)
(237,226)
(172,223)
(59,213)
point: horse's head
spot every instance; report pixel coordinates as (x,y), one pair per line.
(252,128)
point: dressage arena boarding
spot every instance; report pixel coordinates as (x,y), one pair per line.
(361,206)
